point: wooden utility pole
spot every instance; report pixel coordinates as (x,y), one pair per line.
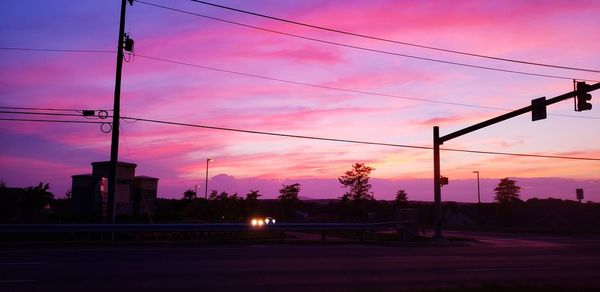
(114,143)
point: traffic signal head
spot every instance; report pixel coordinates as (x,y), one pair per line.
(583,97)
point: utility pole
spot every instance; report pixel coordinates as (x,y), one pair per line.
(437,184)
(538,109)
(114,143)
(206,181)
(478,188)
(478,198)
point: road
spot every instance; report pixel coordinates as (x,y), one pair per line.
(285,267)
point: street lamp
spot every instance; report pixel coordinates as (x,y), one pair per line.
(206,183)
(478,191)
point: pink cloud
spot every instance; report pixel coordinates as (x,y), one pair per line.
(560,32)
(452,120)
(56,173)
(307,54)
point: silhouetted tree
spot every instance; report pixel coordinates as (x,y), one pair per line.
(507,191)
(194,209)
(359,195)
(290,193)
(68,194)
(36,202)
(251,202)
(213,195)
(357,179)
(401,198)
(226,207)
(189,194)
(289,200)
(253,195)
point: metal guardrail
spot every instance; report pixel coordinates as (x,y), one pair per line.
(54,228)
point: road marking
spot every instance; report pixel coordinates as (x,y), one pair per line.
(16,281)
(24,263)
(433,257)
(506,269)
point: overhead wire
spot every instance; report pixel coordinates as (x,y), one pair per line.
(341,89)
(354,141)
(40,113)
(274,134)
(49,121)
(364,48)
(312,84)
(56,50)
(392,41)
(47,109)
(308,137)
(291,82)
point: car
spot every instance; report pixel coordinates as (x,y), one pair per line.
(259,221)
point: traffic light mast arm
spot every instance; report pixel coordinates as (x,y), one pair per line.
(437,141)
(512,114)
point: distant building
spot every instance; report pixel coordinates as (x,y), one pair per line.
(134,195)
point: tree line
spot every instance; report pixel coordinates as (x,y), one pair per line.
(36,204)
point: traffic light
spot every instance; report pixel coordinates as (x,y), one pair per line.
(538,109)
(583,97)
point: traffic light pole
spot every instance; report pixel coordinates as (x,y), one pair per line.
(114,143)
(437,141)
(437,195)
(513,114)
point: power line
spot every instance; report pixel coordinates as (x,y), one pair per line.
(270,78)
(275,134)
(520,154)
(275,79)
(38,113)
(393,41)
(55,50)
(38,109)
(50,121)
(339,88)
(366,49)
(354,141)
(306,137)
(313,85)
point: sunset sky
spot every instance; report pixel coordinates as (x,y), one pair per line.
(378,97)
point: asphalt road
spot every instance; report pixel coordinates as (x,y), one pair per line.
(278,267)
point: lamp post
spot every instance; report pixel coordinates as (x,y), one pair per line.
(478,191)
(206,182)
(478,199)
(196,191)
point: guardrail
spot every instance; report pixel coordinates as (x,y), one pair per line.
(54,228)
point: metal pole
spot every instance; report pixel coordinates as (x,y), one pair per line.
(515,113)
(478,200)
(206,182)
(478,190)
(114,144)
(437,187)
